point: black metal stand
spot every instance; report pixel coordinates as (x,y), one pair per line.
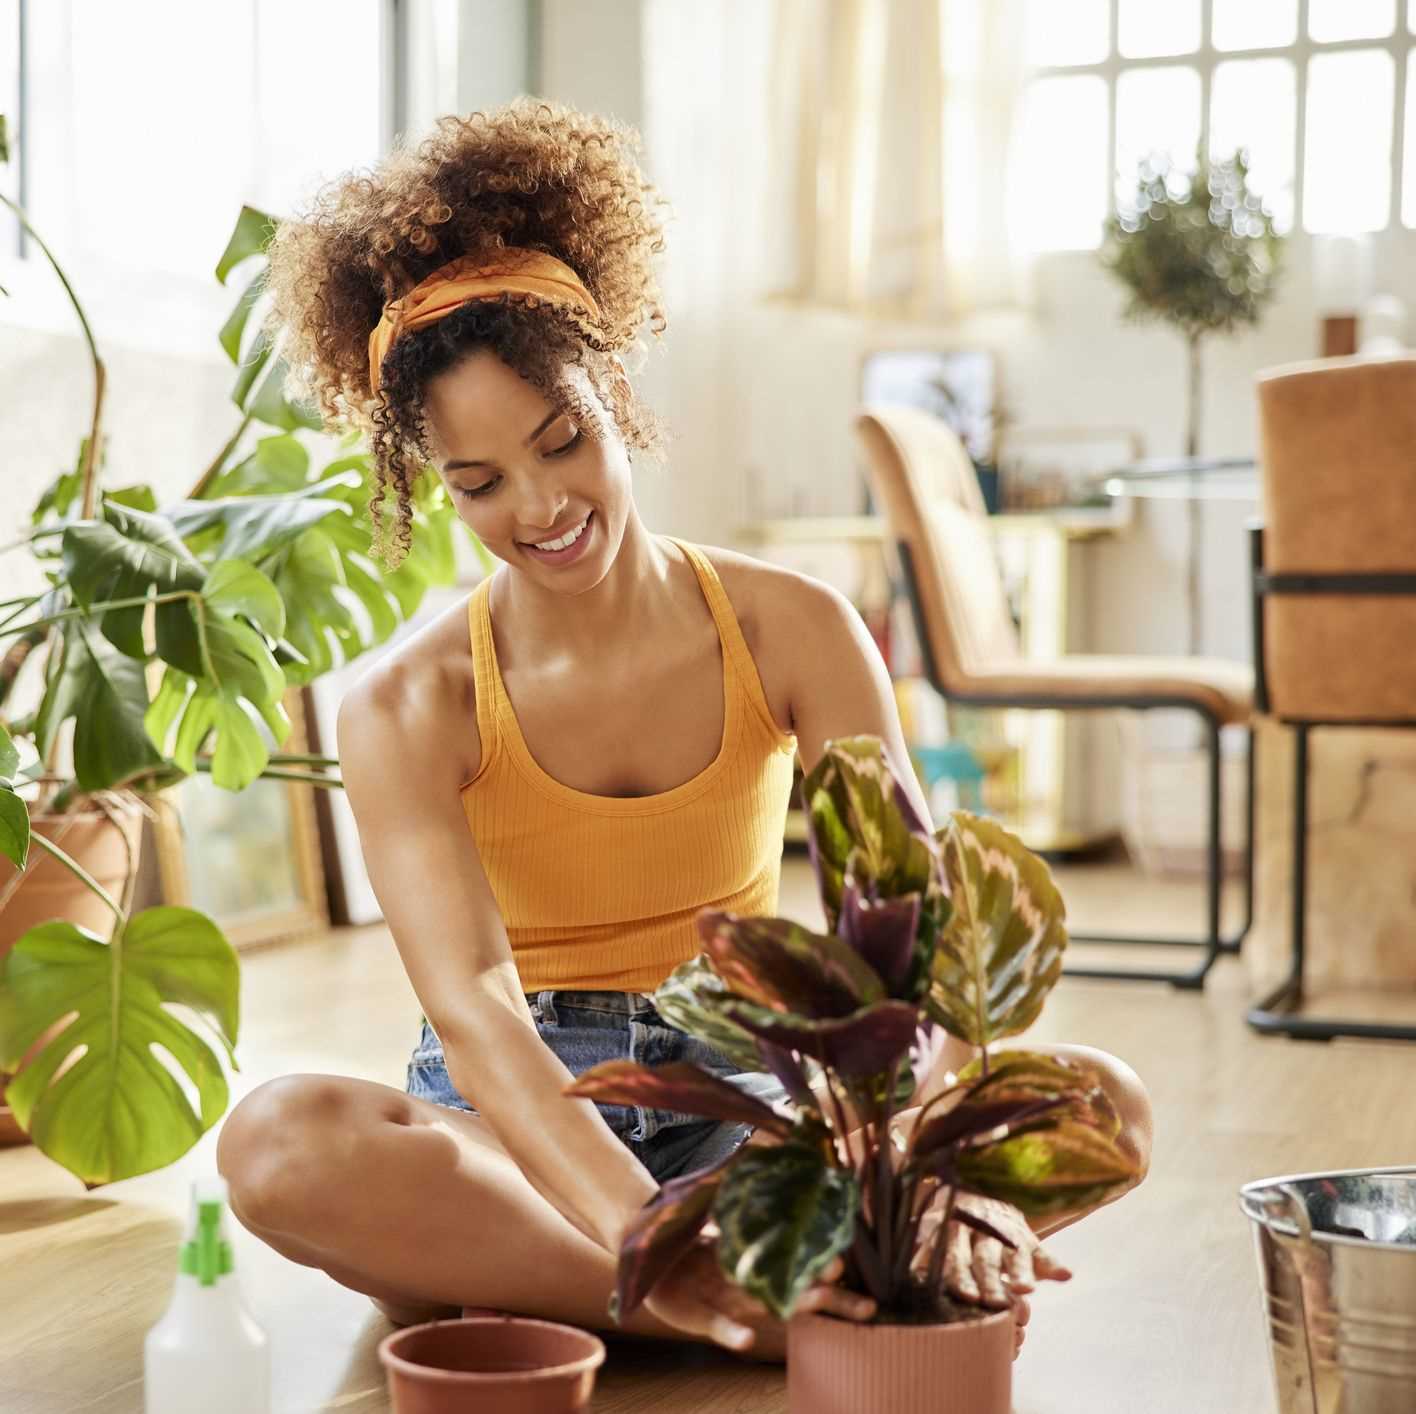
(1278,1013)
(1213,943)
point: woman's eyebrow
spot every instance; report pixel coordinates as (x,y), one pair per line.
(545,423)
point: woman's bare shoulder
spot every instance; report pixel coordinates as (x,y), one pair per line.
(422,694)
(773,603)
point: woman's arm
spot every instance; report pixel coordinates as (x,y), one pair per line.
(403,760)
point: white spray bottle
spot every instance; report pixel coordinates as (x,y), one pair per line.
(206,1352)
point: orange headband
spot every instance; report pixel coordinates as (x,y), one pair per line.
(518,271)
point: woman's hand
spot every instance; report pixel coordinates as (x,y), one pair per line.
(980,1269)
(697,1297)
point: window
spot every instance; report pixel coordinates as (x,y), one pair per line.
(139,143)
(1323,114)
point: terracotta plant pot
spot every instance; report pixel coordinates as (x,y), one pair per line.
(844,1367)
(48,890)
(512,1364)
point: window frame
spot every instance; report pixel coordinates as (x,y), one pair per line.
(1399,44)
(148,310)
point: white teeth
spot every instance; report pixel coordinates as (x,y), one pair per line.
(569,538)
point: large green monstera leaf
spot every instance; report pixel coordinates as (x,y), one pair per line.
(1000,953)
(14,813)
(116,1111)
(784,1215)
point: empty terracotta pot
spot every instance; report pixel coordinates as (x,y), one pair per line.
(510,1364)
(843,1367)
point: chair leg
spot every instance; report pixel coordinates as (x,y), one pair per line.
(1213,943)
(1277,1014)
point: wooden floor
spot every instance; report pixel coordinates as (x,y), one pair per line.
(1162,1316)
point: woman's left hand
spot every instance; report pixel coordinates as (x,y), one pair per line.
(979,1269)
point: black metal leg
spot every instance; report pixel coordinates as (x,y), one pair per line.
(1277,1013)
(1213,943)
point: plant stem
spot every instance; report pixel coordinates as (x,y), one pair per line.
(81,873)
(219,461)
(879,1131)
(100,376)
(29,540)
(288,758)
(941,1240)
(203,763)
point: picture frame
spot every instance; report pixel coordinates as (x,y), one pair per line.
(249,859)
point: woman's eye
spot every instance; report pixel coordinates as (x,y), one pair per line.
(566,447)
(471,491)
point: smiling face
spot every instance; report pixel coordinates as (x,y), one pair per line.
(540,492)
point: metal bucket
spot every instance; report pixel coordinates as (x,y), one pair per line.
(1337,1258)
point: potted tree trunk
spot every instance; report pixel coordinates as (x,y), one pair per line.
(960,928)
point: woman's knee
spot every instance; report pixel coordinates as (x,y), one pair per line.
(1129,1095)
(272,1142)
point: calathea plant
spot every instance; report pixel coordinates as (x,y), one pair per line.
(961,929)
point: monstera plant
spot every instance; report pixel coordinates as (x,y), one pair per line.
(960,928)
(170,635)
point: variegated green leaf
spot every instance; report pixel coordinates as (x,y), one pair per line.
(661,1232)
(1036,1075)
(1000,953)
(784,1215)
(1054,1170)
(859,819)
(780,964)
(693,998)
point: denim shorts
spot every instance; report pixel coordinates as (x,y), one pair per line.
(585,1028)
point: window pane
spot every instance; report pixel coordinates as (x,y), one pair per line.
(1254,105)
(1148,30)
(1068,31)
(9,106)
(162,191)
(1330,20)
(317,98)
(1058,196)
(1347,171)
(1255,24)
(1157,120)
(1408,203)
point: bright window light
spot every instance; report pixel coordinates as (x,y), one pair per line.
(1408,200)
(1157,118)
(1348,133)
(1255,24)
(1332,20)
(1062,32)
(1151,30)
(1253,105)
(1058,195)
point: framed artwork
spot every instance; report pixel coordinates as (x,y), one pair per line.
(249,859)
(956,385)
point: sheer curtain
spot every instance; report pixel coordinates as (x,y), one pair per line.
(891,129)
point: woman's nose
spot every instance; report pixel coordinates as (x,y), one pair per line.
(542,506)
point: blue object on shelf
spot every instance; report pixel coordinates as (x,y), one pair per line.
(954,761)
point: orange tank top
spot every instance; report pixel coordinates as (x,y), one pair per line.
(600,892)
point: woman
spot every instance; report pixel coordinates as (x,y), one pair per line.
(551,779)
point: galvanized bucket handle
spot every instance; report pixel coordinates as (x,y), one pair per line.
(1284,1201)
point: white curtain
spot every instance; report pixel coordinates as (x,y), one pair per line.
(889,145)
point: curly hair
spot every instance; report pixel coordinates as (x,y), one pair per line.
(530,174)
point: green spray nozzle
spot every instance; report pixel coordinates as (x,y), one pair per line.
(206,1255)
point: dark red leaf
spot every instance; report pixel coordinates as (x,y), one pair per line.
(661,1232)
(866,1043)
(678,1086)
